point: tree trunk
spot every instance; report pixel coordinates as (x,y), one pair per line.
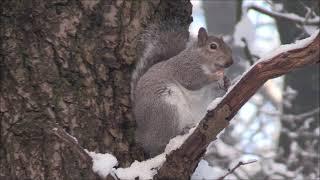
(66,66)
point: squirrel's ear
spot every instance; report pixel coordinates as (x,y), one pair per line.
(202,36)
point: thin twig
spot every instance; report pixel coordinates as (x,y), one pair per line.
(250,57)
(230,171)
(69,140)
(293,117)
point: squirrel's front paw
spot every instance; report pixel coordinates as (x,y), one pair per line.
(185,130)
(226,83)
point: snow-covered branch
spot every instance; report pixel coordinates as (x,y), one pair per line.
(183,161)
(287,16)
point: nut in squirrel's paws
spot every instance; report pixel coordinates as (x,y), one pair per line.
(220,74)
(217,75)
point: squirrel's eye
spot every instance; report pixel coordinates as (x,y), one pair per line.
(213,46)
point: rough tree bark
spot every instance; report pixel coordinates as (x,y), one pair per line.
(65,68)
(182,162)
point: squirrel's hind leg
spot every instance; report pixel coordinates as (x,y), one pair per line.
(156,128)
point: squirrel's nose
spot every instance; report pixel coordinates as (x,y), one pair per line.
(228,63)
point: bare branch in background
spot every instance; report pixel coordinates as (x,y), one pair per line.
(250,57)
(294,117)
(230,171)
(287,16)
(72,142)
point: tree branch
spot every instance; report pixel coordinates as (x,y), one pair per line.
(287,16)
(181,163)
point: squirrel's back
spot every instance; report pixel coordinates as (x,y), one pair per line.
(157,44)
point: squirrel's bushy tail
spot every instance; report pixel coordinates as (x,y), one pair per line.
(159,42)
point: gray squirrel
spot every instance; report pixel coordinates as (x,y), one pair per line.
(173,83)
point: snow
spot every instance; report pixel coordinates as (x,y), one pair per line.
(144,170)
(214,103)
(102,163)
(148,168)
(288,47)
(177,141)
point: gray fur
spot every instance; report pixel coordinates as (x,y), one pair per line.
(174,94)
(157,41)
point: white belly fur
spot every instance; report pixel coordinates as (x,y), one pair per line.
(191,105)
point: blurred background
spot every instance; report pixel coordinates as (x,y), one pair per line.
(279,127)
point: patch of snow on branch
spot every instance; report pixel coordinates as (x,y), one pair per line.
(102,163)
(214,103)
(288,47)
(177,141)
(148,168)
(144,170)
